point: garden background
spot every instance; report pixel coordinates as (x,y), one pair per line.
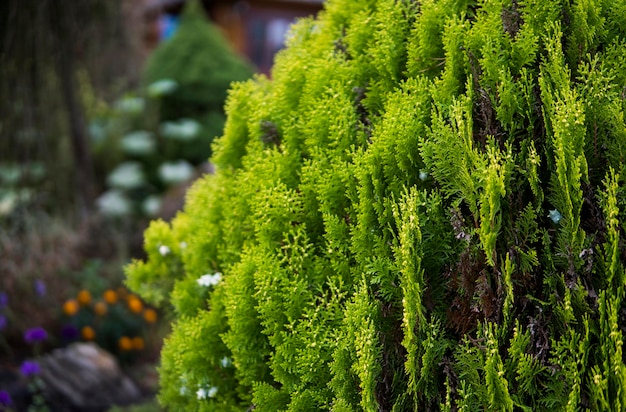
(107,113)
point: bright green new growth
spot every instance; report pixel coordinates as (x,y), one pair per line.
(422,210)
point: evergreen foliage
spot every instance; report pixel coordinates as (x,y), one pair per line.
(422,210)
(199,60)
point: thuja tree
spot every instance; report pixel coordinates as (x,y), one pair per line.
(422,210)
(200,61)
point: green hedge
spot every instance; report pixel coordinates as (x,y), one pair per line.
(422,210)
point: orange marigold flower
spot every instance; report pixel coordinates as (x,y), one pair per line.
(70,307)
(110,296)
(134,304)
(100,308)
(138,343)
(150,315)
(125,343)
(88,333)
(84,297)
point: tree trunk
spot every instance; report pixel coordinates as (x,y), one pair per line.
(83,163)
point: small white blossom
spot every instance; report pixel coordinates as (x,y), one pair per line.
(164,250)
(138,143)
(555,216)
(212,392)
(210,280)
(183,129)
(225,362)
(162,87)
(151,206)
(128,175)
(175,172)
(112,203)
(183,245)
(423,175)
(202,393)
(183,390)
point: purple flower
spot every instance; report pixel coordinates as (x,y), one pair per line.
(40,288)
(3,321)
(30,368)
(35,335)
(4,299)
(5,399)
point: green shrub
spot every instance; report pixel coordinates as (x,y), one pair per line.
(422,210)
(148,142)
(198,59)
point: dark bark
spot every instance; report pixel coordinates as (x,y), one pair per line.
(84,176)
(66,68)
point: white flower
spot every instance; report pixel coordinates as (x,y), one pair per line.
(162,87)
(175,172)
(183,245)
(183,390)
(151,205)
(423,175)
(555,215)
(225,362)
(210,280)
(183,129)
(127,175)
(212,392)
(113,203)
(202,393)
(138,143)
(164,250)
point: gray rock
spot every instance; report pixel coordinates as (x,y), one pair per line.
(85,377)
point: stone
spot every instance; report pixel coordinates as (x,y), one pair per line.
(84,377)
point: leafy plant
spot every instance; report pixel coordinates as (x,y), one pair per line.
(198,60)
(421,210)
(154,139)
(18,184)
(118,322)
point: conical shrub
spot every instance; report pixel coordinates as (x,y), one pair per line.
(200,61)
(423,210)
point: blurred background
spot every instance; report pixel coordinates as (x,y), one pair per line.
(107,113)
